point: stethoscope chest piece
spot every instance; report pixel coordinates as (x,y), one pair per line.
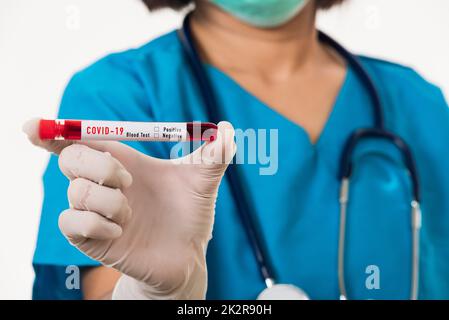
(283,292)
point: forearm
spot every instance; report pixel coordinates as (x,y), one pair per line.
(98,283)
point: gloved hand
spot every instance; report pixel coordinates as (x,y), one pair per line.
(151,219)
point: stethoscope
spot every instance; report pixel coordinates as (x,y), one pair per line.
(239,193)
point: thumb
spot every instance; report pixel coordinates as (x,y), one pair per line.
(31,129)
(216,154)
(204,168)
(222,150)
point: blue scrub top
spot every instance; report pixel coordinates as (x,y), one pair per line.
(297,208)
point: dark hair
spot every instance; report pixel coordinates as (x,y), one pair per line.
(179,4)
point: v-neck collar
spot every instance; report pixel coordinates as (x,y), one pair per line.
(330,121)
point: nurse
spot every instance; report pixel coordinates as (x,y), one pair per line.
(140,227)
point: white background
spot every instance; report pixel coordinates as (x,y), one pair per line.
(43,42)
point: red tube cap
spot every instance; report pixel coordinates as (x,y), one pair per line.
(48,129)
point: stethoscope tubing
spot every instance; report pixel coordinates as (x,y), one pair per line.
(245,208)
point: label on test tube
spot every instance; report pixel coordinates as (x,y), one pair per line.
(126,130)
(139,131)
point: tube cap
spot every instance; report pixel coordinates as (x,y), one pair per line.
(48,129)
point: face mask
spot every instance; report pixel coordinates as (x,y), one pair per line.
(262,13)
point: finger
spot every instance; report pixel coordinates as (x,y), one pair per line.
(89,196)
(77,225)
(120,151)
(80,161)
(125,154)
(31,129)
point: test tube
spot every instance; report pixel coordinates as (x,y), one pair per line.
(126,130)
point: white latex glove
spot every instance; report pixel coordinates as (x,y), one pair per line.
(150,219)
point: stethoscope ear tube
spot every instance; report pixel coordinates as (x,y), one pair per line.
(416,216)
(416,229)
(416,222)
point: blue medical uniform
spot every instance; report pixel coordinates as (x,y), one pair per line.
(297,207)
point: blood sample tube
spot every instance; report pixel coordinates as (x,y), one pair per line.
(126,130)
